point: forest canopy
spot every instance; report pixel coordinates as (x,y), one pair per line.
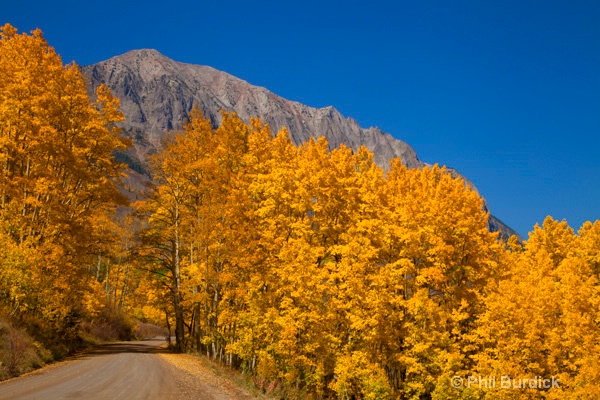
(322,276)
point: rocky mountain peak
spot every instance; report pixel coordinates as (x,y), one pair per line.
(157,94)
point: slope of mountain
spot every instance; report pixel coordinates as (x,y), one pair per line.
(157,94)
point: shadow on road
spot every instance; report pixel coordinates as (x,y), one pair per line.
(149,346)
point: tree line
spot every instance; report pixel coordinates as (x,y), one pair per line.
(321,275)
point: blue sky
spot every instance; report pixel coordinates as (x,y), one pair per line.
(507,92)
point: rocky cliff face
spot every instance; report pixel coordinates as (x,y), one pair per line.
(157,94)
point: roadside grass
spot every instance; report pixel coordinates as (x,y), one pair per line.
(19,352)
(238,378)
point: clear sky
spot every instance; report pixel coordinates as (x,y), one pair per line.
(507,92)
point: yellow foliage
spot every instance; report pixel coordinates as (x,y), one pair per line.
(541,319)
(295,262)
(57,176)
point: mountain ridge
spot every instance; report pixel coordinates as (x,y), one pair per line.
(144,78)
(157,94)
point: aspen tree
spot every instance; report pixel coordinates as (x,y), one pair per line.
(56,168)
(541,318)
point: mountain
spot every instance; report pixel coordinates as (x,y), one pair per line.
(157,94)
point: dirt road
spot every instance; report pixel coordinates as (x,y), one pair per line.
(124,370)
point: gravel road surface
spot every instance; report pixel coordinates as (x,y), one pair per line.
(124,370)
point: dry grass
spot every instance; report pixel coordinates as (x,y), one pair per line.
(222,378)
(19,353)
